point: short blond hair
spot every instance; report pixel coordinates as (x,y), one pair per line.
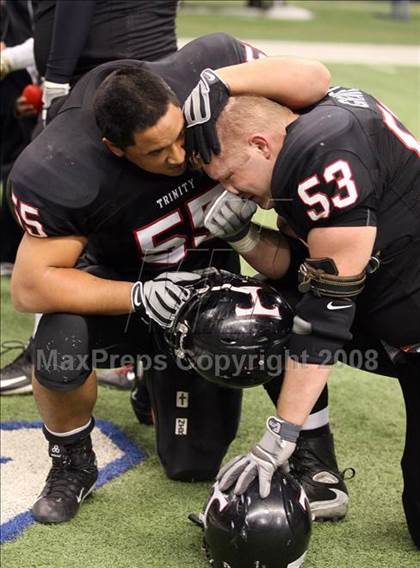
(245,115)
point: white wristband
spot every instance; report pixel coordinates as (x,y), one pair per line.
(249,241)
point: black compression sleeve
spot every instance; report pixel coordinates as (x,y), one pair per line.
(321,327)
(72,22)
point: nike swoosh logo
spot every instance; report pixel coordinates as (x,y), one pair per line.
(331,306)
(80,496)
(340,498)
(7,382)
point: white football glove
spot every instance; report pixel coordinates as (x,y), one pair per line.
(160,299)
(272,451)
(17,57)
(51,91)
(229,218)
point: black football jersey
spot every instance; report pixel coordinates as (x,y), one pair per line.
(66,182)
(348,161)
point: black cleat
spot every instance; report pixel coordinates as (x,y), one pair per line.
(140,402)
(315,466)
(70,480)
(16,377)
(121,378)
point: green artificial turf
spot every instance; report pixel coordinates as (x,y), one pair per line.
(139,519)
(334,21)
(397,87)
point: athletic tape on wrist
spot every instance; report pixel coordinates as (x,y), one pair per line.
(286,430)
(136,296)
(249,241)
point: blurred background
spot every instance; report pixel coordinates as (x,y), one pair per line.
(374,45)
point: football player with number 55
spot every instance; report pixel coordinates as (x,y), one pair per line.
(111,213)
(344,178)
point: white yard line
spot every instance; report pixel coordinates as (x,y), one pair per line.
(339,52)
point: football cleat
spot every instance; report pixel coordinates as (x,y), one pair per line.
(140,402)
(121,378)
(71,479)
(314,465)
(16,377)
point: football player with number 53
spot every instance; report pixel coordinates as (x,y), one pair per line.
(344,178)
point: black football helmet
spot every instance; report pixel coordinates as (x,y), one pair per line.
(246,531)
(233,330)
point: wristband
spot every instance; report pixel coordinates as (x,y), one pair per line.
(286,430)
(136,297)
(249,241)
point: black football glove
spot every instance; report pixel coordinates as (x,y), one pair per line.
(201,110)
(160,299)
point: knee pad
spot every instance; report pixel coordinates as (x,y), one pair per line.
(62,356)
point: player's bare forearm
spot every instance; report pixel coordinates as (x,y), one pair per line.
(73,291)
(291,81)
(44,280)
(271,255)
(302,385)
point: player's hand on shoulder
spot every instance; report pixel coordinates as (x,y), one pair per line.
(201,110)
(272,451)
(160,299)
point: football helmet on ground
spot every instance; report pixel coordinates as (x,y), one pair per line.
(250,532)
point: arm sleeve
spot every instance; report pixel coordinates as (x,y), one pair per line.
(321,327)
(72,23)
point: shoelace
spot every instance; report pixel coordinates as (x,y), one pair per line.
(11,345)
(344,475)
(62,480)
(304,458)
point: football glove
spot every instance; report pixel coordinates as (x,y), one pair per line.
(201,110)
(229,218)
(160,299)
(272,451)
(51,91)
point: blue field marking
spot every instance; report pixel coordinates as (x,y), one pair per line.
(132,455)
